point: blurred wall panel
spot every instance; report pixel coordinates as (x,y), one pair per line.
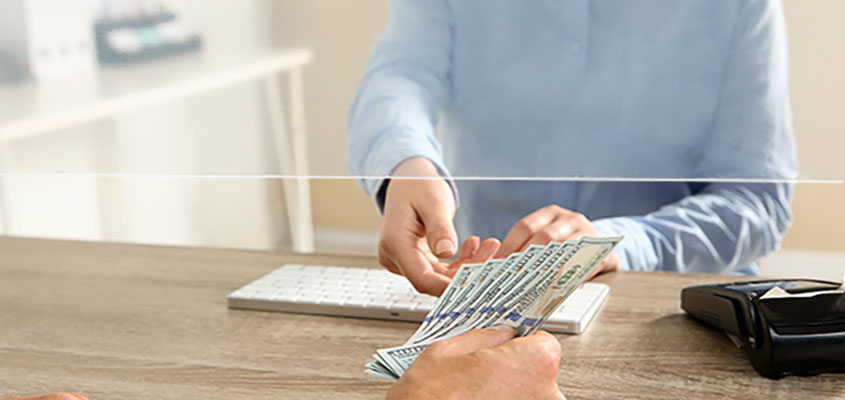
(58,206)
(222,132)
(340,32)
(216,134)
(817,78)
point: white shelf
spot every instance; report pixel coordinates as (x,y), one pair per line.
(37,108)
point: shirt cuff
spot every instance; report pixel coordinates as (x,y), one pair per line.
(381,194)
(377,187)
(636,251)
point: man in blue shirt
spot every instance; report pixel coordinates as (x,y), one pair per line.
(689,98)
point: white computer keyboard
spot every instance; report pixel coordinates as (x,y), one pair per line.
(376,293)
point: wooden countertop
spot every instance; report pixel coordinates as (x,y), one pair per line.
(116,321)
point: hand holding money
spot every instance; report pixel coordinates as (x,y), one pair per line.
(521,291)
(484,364)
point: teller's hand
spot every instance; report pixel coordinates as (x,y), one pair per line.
(417,229)
(552,223)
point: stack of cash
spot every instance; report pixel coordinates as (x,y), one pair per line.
(521,291)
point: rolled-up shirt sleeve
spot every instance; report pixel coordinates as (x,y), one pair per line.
(722,229)
(727,225)
(396,107)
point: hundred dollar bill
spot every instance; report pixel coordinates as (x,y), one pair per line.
(378,370)
(501,305)
(510,305)
(565,285)
(450,321)
(541,264)
(455,285)
(448,311)
(521,291)
(521,267)
(526,315)
(519,261)
(399,359)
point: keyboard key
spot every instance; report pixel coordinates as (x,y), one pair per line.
(333,270)
(379,304)
(355,302)
(331,300)
(291,267)
(288,297)
(405,298)
(395,290)
(404,306)
(264,295)
(240,293)
(306,297)
(426,305)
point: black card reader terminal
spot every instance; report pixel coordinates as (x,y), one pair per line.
(788,327)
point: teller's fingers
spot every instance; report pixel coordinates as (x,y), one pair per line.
(468,250)
(385,261)
(470,246)
(559,230)
(486,250)
(522,231)
(414,265)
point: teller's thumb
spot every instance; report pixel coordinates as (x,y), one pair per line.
(440,233)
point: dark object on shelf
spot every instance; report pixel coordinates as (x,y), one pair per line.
(791,333)
(144,38)
(11,70)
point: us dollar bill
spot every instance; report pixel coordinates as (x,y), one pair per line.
(565,285)
(450,310)
(521,291)
(451,321)
(536,309)
(399,359)
(445,299)
(540,265)
(510,270)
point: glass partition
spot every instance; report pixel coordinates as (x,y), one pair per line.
(257,124)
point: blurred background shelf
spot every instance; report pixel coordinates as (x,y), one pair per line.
(33,109)
(37,108)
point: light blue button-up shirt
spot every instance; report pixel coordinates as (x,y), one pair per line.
(690,90)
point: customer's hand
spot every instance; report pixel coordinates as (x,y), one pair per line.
(54,396)
(552,223)
(418,229)
(484,364)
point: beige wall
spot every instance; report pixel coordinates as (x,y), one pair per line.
(341,32)
(817,63)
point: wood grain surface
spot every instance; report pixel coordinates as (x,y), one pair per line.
(115,321)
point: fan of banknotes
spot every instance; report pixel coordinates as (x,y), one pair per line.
(521,291)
